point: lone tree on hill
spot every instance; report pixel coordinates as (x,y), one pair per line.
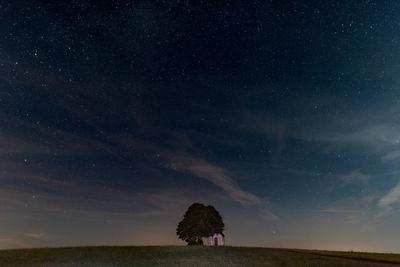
(199,221)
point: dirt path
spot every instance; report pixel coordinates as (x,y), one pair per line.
(376,262)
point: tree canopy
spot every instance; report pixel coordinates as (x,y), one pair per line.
(199,221)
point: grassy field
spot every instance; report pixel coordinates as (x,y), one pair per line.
(190,256)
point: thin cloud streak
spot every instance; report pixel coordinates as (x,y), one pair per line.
(33,235)
(355,177)
(392,156)
(215,174)
(392,197)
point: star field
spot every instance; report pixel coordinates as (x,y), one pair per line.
(283,115)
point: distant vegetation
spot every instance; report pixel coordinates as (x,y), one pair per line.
(199,221)
(190,256)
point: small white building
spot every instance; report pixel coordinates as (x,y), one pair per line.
(216,239)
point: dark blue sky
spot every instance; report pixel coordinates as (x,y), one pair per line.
(284,115)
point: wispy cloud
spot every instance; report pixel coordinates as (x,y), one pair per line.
(392,156)
(331,210)
(352,210)
(355,177)
(92,201)
(12,145)
(388,200)
(33,235)
(268,216)
(376,135)
(44,139)
(213,173)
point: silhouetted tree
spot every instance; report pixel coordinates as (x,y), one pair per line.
(199,221)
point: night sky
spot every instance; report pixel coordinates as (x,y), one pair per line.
(284,115)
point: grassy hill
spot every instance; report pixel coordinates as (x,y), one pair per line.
(190,256)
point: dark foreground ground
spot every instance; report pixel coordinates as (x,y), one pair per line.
(190,256)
